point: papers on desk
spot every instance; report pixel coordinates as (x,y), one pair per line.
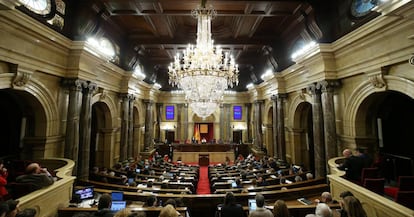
(273,177)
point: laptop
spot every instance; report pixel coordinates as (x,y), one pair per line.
(117,196)
(252,204)
(118,205)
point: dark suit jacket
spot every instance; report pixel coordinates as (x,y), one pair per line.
(37,180)
(353,167)
(232,211)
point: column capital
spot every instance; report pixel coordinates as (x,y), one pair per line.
(89,87)
(148,101)
(259,101)
(313,89)
(277,96)
(127,96)
(328,85)
(73,83)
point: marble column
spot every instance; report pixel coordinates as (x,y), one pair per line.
(148,140)
(179,122)
(186,122)
(258,123)
(274,125)
(222,137)
(318,138)
(248,107)
(85,130)
(329,123)
(229,130)
(123,146)
(159,107)
(281,141)
(72,122)
(130,152)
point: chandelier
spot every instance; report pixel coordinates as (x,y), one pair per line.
(202,71)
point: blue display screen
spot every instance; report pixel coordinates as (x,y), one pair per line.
(169,112)
(237,112)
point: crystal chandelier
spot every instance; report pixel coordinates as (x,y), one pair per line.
(203,72)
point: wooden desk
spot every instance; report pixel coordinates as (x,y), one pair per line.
(149,211)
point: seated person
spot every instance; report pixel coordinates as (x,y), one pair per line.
(104,207)
(37,176)
(230,208)
(260,210)
(322,210)
(326,197)
(261,181)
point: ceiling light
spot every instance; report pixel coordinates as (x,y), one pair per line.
(203,72)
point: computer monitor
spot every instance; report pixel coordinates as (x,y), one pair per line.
(252,204)
(118,205)
(131,181)
(85,193)
(137,170)
(117,195)
(233,184)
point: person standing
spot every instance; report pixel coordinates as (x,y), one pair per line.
(352,165)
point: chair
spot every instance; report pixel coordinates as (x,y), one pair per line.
(369,173)
(405,198)
(405,183)
(375,185)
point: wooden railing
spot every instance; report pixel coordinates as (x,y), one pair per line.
(374,204)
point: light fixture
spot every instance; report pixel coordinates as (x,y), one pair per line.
(203,72)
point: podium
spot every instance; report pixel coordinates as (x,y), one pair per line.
(203,159)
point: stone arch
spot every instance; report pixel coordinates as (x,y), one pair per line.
(46,118)
(301,132)
(365,89)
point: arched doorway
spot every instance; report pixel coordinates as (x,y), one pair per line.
(100,136)
(23,120)
(385,123)
(303,143)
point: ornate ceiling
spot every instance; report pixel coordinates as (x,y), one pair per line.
(261,35)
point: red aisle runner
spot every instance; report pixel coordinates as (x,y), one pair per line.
(203,186)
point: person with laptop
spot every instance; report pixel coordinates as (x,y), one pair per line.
(104,207)
(260,211)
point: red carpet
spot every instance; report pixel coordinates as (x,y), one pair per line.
(203,186)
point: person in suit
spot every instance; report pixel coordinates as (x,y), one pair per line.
(230,208)
(260,210)
(37,176)
(352,165)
